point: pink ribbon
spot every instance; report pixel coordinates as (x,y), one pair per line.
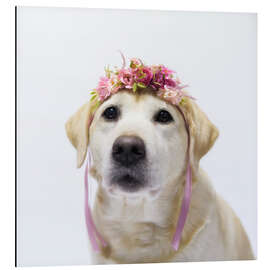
(187,193)
(184,210)
(93,233)
(91,228)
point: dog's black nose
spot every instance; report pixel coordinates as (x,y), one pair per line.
(128,150)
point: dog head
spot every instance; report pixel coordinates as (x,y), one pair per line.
(139,142)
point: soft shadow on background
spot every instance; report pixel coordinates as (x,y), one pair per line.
(61,55)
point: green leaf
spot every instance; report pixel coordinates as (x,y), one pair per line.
(134,87)
(182,102)
(96,105)
(141,85)
(93,97)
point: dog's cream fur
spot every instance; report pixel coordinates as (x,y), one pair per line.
(139,226)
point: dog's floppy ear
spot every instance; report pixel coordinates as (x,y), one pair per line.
(202,131)
(77,129)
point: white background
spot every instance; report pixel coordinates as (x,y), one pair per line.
(7,123)
(62,53)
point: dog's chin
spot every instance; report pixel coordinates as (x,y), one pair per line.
(119,192)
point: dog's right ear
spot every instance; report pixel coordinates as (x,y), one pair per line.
(202,131)
(77,129)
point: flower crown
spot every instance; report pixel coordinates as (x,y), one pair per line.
(139,76)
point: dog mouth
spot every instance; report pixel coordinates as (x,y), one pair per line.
(132,182)
(128,180)
(129,183)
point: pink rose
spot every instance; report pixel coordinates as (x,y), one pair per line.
(126,77)
(143,75)
(135,63)
(102,88)
(166,71)
(170,82)
(114,84)
(158,80)
(173,96)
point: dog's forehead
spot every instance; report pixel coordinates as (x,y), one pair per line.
(128,100)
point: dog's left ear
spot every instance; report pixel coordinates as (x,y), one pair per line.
(77,129)
(203,133)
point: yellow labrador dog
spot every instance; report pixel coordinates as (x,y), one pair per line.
(138,146)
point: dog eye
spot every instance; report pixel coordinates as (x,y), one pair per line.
(111,113)
(163,117)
